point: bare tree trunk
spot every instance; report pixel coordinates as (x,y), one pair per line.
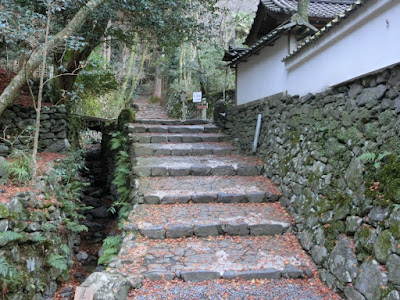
(302,8)
(38,107)
(36,58)
(136,78)
(203,85)
(157,90)
(128,76)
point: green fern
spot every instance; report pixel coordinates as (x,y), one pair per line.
(39,238)
(370,157)
(111,247)
(10,278)
(76,227)
(10,236)
(59,262)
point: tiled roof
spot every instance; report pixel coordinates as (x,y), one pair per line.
(343,15)
(326,9)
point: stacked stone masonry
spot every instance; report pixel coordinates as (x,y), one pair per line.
(17,127)
(335,157)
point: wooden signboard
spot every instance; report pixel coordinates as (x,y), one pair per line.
(84,293)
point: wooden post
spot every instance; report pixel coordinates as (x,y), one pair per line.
(184,108)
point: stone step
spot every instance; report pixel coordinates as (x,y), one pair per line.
(285,289)
(142,128)
(171,122)
(222,257)
(146,138)
(183,149)
(205,189)
(211,219)
(198,166)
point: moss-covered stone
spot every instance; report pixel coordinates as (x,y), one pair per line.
(127,115)
(383,245)
(365,239)
(4,212)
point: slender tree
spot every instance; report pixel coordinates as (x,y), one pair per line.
(36,56)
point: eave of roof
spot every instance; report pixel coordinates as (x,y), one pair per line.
(323,31)
(294,22)
(261,43)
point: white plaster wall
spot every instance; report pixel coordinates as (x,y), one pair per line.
(262,75)
(366,41)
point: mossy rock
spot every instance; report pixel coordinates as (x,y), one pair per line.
(395,224)
(127,115)
(365,238)
(4,212)
(383,245)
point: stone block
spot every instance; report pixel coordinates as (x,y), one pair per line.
(158,171)
(158,129)
(159,139)
(142,171)
(201,151)
(181,152)
(255,197)
(162,151)
(175,199)
(143,139)
(191,139)
(266,229)
(154,276)
(269,273)
(223,171)
(179,171)
(230,198)
(291,271)
(207,230)
(177,231)
(204,198)
(152,199)
(200,170)
(156,232)
(246,170)
(175,139)
(236,229)
(200,275)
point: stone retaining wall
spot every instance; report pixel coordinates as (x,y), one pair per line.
(33,247)
(335,156)
(17,126)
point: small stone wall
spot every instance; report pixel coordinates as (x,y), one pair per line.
(17,127)
(32,242)
(335,156)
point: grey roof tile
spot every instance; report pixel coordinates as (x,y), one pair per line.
(317,8)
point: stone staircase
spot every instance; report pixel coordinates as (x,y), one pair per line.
(207,223)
